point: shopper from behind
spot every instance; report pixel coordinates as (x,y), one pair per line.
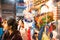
(11,32)
(23,30)
(19,24)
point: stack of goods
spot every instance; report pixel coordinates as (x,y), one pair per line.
(41,19)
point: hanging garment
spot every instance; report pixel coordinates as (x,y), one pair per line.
(45,37)
(40,33)
(28,34)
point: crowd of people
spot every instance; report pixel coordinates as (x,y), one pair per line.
(10,29)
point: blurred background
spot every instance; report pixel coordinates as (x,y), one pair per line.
(17,8)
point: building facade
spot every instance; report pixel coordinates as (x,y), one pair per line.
(7,9)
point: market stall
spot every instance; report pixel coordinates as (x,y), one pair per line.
(42,14)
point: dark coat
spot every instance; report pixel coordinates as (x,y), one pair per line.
(14,36)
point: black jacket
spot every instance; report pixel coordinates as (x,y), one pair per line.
(14,36)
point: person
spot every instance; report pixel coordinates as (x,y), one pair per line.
(18,28)
(22,30)
(19,19)
(54,32)
(1,28)
(50,30)
(35,36)
(0,22)
(11,32)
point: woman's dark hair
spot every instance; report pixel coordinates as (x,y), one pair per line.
(53,26)
(21,20)
(0,22)
(56,0)
(12,22)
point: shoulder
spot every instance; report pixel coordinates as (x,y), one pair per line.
(17,36)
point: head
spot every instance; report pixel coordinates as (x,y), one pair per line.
(54,27)
(21,23)
(4,24)
(36,34)
(9,24)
